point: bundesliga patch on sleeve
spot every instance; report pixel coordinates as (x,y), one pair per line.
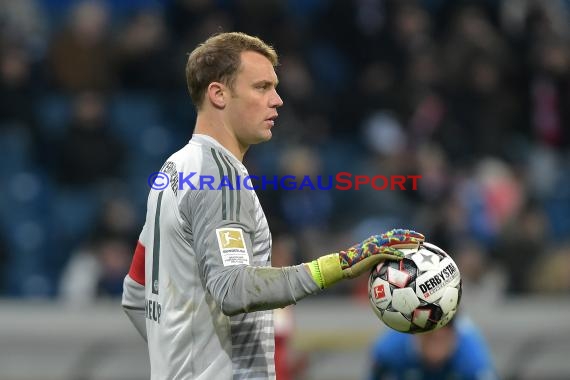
(232,246)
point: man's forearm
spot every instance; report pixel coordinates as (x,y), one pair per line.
(247,289)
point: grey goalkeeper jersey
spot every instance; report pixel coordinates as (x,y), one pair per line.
(208,285)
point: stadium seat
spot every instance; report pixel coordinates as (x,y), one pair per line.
(131,114)
(26,224)
(17,148)
(53,112)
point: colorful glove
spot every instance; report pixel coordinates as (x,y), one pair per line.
(329,269)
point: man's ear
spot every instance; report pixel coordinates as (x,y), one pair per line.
(217,93)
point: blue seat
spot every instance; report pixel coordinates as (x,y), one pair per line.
(73,214)
(16,148)
(26,225)
(24,197)
(53,112)
(131,114)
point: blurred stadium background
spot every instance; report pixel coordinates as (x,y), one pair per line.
(472,95)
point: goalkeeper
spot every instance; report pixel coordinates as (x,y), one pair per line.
(201,289)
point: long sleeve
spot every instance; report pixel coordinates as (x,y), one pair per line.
(133,304)
(246,289)
(133,301)
(232,242)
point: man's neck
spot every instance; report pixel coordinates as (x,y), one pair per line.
(218,131)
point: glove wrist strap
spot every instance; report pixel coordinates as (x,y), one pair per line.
(326,270)
(316,273)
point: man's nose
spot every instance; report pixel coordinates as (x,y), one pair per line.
(276,100)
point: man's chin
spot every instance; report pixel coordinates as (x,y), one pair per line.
(261,138)
(269,135)
(264,137)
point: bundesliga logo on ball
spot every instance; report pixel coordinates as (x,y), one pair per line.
(420,293)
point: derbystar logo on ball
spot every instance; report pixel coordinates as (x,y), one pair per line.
(437,281)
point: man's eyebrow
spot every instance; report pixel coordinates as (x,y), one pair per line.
(265,81)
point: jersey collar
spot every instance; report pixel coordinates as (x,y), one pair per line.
(209,140)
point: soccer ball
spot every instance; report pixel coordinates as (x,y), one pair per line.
(420,293)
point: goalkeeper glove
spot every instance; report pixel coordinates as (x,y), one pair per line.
(329,269)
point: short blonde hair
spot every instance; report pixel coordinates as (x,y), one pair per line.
(218,60)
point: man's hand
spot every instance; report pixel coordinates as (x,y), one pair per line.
(362,257)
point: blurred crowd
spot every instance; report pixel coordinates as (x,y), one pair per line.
(474,96)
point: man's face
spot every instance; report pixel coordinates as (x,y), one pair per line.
(252,107)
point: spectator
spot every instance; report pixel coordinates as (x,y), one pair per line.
(117,219)
(456,351)
(525,235)
(96,271)
(17,89)
(143,46)
(88,153)
(80,54)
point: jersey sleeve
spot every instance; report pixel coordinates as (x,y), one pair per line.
(133,294)
(133,300)
(223,233)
